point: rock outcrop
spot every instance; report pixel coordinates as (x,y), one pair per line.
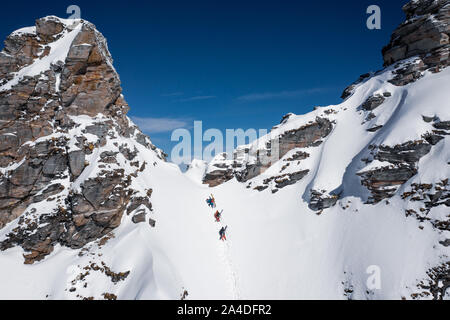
(64,171)
(251,161)
(425,33)
(383,182)
(401,162)
(320,200)
(419,44)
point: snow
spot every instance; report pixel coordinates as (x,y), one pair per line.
(10,167)
(196,170)
(376,164)
(26,30)
(276,247)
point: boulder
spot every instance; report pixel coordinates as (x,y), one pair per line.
(373,102)
(138,218)
(319,200)
(76,162)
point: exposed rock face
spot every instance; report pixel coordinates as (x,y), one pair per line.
(306,136)
(287,179)
(420,43)
(217,177)
(373,102)
(438,283)
(320,200)
(425,36)
(309,135)
(425,33)
(51,121)
(383,182)
(409,72)
(430,195)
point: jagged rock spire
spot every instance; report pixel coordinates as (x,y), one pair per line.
(65,160)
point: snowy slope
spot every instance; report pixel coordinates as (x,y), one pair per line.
(277,247)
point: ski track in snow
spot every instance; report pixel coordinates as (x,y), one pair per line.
(233,273)
(224,253)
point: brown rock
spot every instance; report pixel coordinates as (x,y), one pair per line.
(48,27)
(85,83)
(424,33)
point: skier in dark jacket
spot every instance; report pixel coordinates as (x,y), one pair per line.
(222,231)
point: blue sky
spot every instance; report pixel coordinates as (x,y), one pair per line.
(231,64)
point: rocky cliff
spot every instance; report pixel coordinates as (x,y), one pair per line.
(67,152)
(425,33)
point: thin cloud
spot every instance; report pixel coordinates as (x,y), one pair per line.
(280,95)
(158,125)
(196,98)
